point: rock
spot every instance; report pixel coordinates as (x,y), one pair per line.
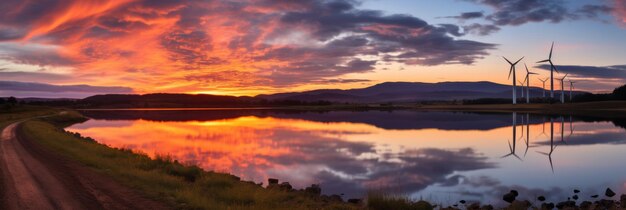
(335,198)
(285,186)
(424,205)
(510,197)
(313,189)
(622,200)
(462,201)
(566,204)
(576,191)
(487,207)
(609,193)
(575,197)
(594,196)
(541,198)
(520,205)
(547,206)
(606,204)
(271,181)
(586,205)
(473,206)
(354,200)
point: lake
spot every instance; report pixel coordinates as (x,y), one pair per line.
(438,156)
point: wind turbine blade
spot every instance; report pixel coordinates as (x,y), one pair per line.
(553,66)
(510,71)
(518,60)
(564,76)
(543,61)
(507,60)
(526,68)
(551,47)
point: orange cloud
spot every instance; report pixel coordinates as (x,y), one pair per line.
(213,46)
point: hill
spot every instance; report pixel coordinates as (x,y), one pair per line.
(409,92)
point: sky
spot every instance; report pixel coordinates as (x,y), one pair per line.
(77,48)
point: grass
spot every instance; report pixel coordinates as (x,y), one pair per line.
(14,114)
(384,201)
(164,179)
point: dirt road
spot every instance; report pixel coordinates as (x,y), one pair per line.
(35,178)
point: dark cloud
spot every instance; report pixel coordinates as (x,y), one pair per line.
(32,76)
(414,40)
(594,11)
(334,81)
(471,15)
(40,55)
(595,78)
(468,15)
(518,12)
(607,72)
(41,87)
(481,29)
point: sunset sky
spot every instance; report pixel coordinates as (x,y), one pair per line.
(77,48)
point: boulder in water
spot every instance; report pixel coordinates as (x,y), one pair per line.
(541,198)
(510,197)
(609,193)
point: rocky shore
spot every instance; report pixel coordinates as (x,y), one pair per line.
(595,202)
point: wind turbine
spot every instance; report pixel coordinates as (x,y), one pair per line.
(571,127)
(552,146)
(527,79)
(512,147)
(571,88)
(562,88)
(527,133)
(552,69)
(512,70)
(544,86)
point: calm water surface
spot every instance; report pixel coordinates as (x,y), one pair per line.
(439,156)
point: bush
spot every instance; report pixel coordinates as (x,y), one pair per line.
(620,93)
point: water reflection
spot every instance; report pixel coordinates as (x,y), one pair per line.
(438,155)
(552,146)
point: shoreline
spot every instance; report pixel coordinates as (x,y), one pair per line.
(162,179)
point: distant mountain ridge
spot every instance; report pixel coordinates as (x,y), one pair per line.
(409,92)
(380,93)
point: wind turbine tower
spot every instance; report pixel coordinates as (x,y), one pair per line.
(552,70)
(571,89)
(512,71)
(543,81)
(562,88)
(521,84)
(527,80)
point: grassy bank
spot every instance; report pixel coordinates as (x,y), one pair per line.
(181,186)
